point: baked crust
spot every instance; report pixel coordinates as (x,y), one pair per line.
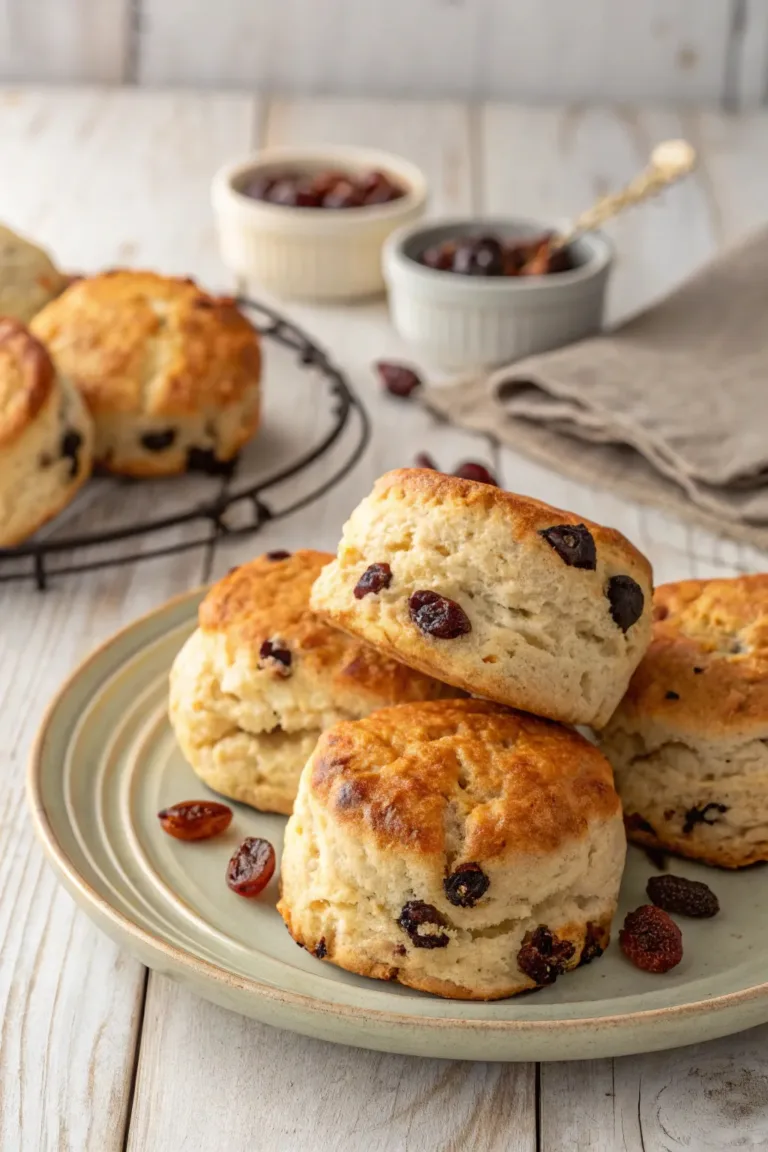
(139,343)
(27,379)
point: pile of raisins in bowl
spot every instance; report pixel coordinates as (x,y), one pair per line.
(330,188)
(489,255)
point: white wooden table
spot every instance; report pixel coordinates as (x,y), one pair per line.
(95,1052)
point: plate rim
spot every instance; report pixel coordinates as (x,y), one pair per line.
(182,961)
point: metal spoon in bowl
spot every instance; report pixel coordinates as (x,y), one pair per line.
(670,161)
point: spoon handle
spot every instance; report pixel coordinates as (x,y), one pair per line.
(669,162)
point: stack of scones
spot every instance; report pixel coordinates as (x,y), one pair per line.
(413,702)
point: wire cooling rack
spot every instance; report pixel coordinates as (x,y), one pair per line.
(227,507)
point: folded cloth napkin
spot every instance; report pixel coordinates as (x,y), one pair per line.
(669,409)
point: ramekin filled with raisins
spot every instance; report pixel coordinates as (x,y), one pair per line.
(470,293)
(310,223)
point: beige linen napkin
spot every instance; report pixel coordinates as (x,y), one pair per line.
(669,409)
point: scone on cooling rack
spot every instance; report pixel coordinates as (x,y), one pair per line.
(458,847)
(496,593)
(256,684)
(170,374)
(28,277)
(46,436)
(689,742)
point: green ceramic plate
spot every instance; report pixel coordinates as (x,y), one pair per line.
(105,762)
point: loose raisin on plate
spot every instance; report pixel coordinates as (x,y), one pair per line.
(375,578)
(195,819)
(626,599)
(708,814)
(651,940)
(422,922)
(252,867)
(273,654)
(437,616)
(685,897)
(477,472)
(543,956)
(398,379)
(466,885)
(573,543)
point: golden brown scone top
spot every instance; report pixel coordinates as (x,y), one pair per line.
(524,515)
(706,671)
(516,784)
(27,378)
(137,342)
(268,600)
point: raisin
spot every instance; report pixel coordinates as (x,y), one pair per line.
(439,257)
(69,449)
(437,616)
(424,460)
(696,816)
(626,599)
(573,543)
(275,655)
(634,822)
(477,472)
(543,957)
(158,441)
(594,943)
(205,460)
(660,612)
(195,819)
(321,951)
(345,194)
(417,918)
(671,695)
(479,256)
(251,868)
(279,554)
(698,671)
(373,580)
(651,940)
(466,885)
(685,897)
(397,379)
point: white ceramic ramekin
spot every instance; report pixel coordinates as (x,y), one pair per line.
(312,253)
(459,322)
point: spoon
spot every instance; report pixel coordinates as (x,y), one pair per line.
(670,161)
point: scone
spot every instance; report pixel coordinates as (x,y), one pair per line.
(255,685)
(458,847)
(496,593)
(171,375)
(28,277)
(689,742)
(46,436)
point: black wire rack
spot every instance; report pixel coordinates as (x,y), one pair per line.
(231,510)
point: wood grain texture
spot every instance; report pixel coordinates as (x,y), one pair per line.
(64,40)
(70,1000)
(263,1090)
(597,49)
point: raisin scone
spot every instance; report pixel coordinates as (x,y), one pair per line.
(170,374)
(256,684)
(496,593)
(689,742)
(46,436)
(28,277)
(458,847)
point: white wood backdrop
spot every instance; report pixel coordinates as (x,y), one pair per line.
(685,50)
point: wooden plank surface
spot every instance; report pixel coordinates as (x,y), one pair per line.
(597,49)
(93,176)
(65,40)
(137,193)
